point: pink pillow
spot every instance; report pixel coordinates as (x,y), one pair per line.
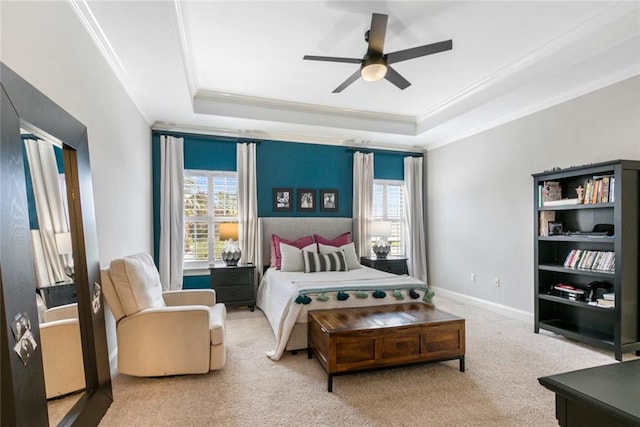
(341,240)
(275,247)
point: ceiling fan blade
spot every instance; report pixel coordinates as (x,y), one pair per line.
(376,33)
(355,76)
(394,77)
(415,52)
(333,59)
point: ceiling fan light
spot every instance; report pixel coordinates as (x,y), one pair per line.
(373,72)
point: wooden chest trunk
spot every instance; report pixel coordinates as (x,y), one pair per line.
(355,339)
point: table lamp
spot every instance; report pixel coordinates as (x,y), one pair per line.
(228,231)
(381,230)
(63,244)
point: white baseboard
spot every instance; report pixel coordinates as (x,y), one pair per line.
(484,304)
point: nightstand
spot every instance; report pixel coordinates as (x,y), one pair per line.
(234,285)
(59,294)
(390,264)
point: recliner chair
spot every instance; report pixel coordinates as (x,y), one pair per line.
(162,333)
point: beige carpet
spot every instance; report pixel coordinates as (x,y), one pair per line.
(504,358)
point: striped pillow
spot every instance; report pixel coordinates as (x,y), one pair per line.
(315,262)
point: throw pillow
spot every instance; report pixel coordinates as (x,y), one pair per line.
(315,262)
(276,240)
(349,253)
(341,240)
(292,257)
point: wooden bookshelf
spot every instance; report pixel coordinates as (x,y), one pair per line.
(616,329)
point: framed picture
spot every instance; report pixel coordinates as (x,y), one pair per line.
(329,200)
(555,228)
(282,200)
(306,199)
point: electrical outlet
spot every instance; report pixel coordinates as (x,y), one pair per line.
(496,282)
(473,278)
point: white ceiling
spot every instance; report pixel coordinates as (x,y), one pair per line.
(236,68)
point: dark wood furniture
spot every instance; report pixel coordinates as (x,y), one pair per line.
(234,286)
(58,294)
(602,396)
(390,264)
(615,329)
(346,340)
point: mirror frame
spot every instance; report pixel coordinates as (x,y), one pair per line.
(22,386)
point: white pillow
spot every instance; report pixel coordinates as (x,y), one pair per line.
(292,259)
(349,253)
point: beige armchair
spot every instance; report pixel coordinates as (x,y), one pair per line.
(162,333)
(61,351)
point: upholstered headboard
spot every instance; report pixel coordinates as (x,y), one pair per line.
(294,228)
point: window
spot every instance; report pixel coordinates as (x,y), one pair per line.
(388,205)
(210,198)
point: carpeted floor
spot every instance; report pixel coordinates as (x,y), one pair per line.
(504,358)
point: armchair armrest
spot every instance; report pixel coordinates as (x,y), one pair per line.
(190,297)
(167,340)
(62,360)
(68,311)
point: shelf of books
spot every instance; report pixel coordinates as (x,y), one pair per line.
(586,277)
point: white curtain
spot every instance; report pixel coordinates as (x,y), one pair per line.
(247,202)
(414,218)
(363,200)
(171,212)
(50,211)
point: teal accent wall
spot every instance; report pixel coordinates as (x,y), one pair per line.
(278,164)
(298,165)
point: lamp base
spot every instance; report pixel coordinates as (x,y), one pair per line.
(381,251)
(231,258)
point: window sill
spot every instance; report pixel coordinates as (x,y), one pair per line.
(199,271)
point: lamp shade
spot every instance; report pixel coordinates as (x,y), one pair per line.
(63,243)
(228,231)
(373,69)
(381,229)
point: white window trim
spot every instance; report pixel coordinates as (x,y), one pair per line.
(394,182)
(192,268)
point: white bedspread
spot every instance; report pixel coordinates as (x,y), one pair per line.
(279,290)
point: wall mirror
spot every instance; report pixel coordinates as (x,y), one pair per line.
(61,252)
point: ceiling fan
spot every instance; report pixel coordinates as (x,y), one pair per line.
(375,65)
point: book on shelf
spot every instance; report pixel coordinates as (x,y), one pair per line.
(605,189)
(611,296)
(599,189)
(590,260)
(606,303)
(561,202)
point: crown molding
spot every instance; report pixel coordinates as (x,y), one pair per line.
(250,107)
(185,52)
(278,136)
(92,27)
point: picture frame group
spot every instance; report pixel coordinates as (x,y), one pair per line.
(307,200)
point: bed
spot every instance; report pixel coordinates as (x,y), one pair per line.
(285,296)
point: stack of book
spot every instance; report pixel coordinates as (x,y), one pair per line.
(590,260)
(607,301)
(570,292)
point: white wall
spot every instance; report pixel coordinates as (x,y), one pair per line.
(480,190)
(46,44)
